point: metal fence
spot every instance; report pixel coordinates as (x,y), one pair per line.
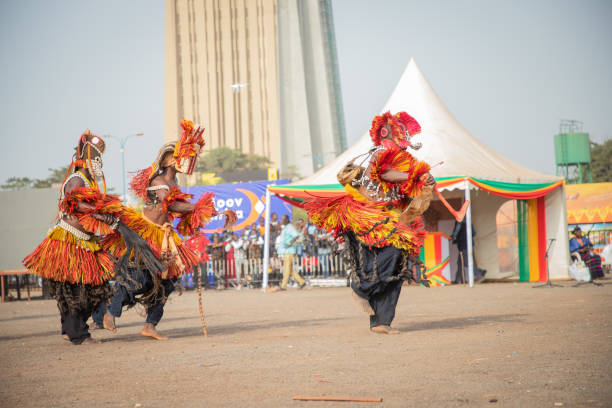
(228,273)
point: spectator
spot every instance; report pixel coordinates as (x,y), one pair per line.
(230,267)
(459,237)
(300,229)
(262,226)
(288,242)
(255,250)
(240,246)
(274,233)
(217,252)
(310,235)
(324,249)
(583,246)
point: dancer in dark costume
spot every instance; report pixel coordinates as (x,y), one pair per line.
(71,256)
(379,217)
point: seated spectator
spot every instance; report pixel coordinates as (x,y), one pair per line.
(583,246)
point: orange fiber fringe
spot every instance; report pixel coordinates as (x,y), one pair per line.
(175,194)
(403,161)
(154,235)
(203,211)
(107,204)
(70,203)
(369,220)
(140,182)
(102,203)
(62,257)
(186,146)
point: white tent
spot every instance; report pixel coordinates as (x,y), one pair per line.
(445,140)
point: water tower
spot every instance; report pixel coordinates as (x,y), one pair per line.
(573,153)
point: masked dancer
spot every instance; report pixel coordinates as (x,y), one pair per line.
(71,257)
(157,185)
(379,217)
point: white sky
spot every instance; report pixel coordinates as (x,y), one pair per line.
(508,71)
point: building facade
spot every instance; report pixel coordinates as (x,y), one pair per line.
(260,75)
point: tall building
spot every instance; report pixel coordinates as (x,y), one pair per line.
(260,75)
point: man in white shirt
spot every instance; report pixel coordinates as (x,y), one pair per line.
(240,246)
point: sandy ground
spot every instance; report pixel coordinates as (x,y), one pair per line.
(492,345)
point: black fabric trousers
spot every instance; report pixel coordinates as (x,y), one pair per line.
(74,325)
(126,295)
(74,319)
(459,275)
(384,304)
(378,279)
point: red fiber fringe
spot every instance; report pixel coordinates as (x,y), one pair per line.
(203,211)
(371,222)
(102,203)
(65,262)
(379,122)
(154,236)
(140,182)
(70,203)
(411,124)
(108,204)
(175,194)
(403,161)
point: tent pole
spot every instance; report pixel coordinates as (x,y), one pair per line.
(266,254)
(468,231)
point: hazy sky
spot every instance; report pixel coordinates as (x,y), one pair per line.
(507,70)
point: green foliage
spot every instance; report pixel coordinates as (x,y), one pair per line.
(21,183)
(292,173)
(17,183)
(601,161)
(225,159)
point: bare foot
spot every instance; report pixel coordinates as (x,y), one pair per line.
(65,337)
(383,329)
(363,304)
(149,331)
(109,322)
(95,326)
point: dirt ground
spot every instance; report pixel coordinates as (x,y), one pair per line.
(492,345)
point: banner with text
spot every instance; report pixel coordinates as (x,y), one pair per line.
(248,200)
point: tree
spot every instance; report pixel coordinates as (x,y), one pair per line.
(225,159)
(17,183)
(292,173)
(20,183)
(601,161)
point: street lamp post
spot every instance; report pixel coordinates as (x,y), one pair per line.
(122,141)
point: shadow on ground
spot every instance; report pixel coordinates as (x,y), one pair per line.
(461,322)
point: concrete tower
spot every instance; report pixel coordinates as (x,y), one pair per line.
(260,75)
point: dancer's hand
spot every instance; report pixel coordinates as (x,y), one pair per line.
(105,218)
(429,179)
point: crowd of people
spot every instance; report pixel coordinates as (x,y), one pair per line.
(235,259)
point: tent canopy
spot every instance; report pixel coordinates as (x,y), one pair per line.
(444,140)
(466,162)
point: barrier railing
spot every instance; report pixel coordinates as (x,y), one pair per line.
(224,273)
(17,273)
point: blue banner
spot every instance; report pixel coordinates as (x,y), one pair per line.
(246,199)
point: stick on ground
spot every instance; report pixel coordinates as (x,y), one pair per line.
(337,399)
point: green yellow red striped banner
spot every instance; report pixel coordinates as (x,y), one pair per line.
(517,191)
(435,255)
(532,239)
